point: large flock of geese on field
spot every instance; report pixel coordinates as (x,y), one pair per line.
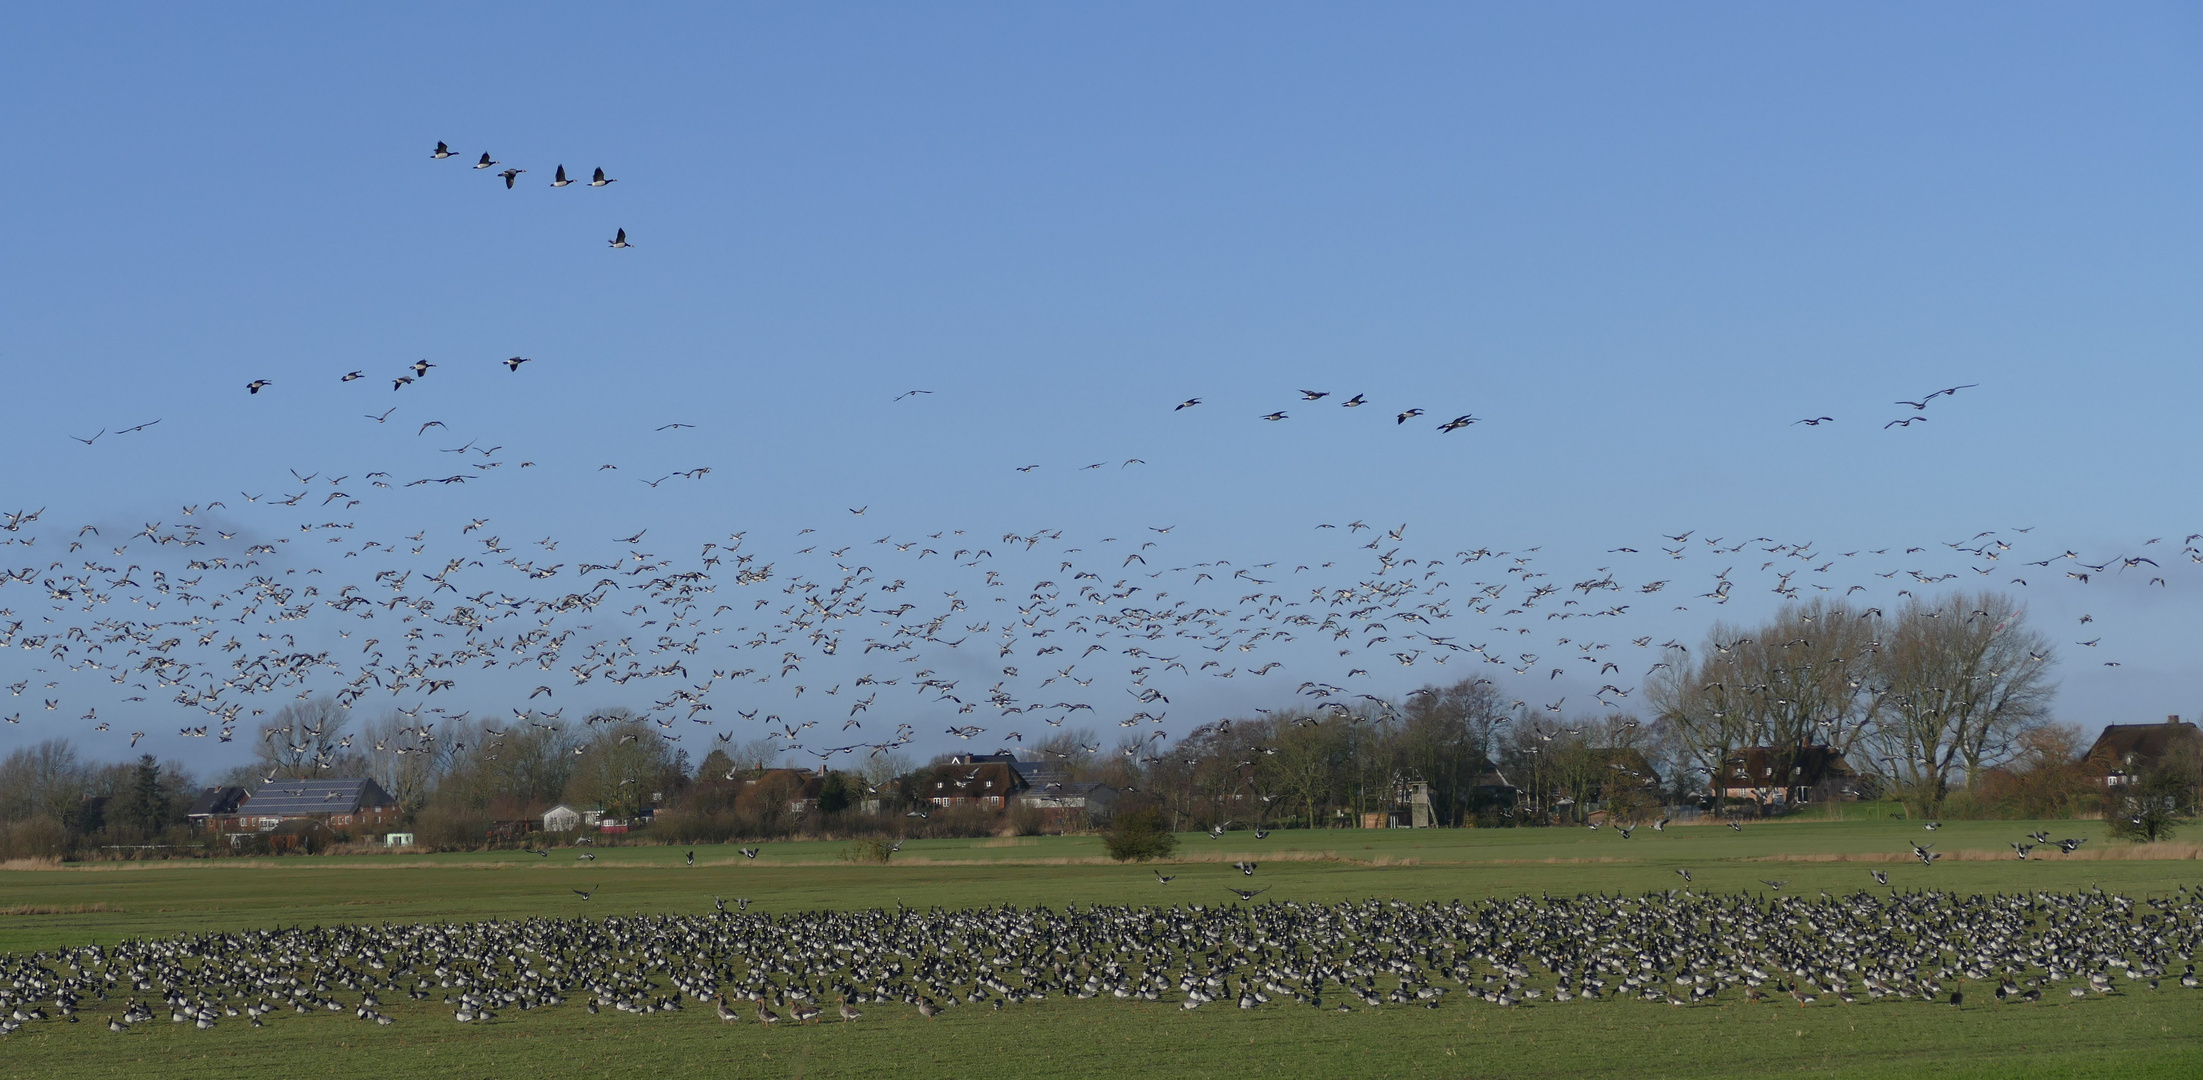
(1679,948)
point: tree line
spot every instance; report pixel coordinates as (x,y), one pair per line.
(1943,706)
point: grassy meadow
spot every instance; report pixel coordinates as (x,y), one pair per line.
(2135,1033)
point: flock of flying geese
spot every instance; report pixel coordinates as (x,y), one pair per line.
(1919,408)
(1680,948)
(559,179)
(231,608)
(1355,402)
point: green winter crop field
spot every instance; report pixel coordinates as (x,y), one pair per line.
(2134,1031)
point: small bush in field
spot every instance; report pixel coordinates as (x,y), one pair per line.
(868,851)
(1138,836)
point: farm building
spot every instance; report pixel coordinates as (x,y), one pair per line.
(1070,799)
(336,803)
(1772,777)
(564,818)
(1035,774)
(214,803)
(2126,751)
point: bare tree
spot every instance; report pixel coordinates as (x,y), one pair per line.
(1303,765)
(405,757)
(306,739)
(1445,737)
(1801,680)
(1071,750)
(881,766)
(622,766)
(1961,679)
(46,780)
(1701,710)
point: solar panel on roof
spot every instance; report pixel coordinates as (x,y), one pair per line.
(280,798)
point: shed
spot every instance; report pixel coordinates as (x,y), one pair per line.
(564,818)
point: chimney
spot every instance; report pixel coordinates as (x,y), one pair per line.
(2173,719)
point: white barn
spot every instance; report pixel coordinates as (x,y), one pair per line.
(564,818)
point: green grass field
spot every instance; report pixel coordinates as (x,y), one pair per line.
(2137,1033)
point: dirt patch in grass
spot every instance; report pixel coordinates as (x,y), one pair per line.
(60,909)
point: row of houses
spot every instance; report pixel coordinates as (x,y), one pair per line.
(1001,782)
(1774,779)
(2121,755)
(995,782)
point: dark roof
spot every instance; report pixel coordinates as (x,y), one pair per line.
(307,798)
(216,800)
(1757,766)
(2146,744)
(1058,789)
(1038,773)
(808,784)
(984,779)
(1627,763)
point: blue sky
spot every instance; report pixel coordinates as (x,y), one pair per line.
(1636,244)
